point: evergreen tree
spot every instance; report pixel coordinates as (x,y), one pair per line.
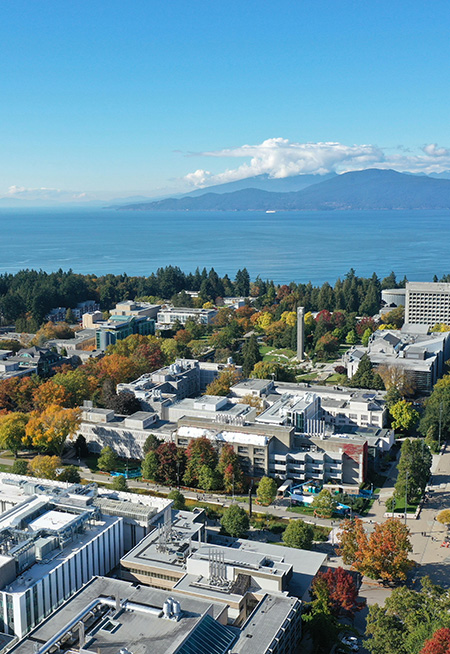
(251,355)
(365,377)
(150,466)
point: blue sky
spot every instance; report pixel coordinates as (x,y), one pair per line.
(112,97)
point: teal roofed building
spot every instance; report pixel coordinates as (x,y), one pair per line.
(116,328)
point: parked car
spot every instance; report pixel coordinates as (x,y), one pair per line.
(351,642)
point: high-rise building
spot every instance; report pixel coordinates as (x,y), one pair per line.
(427,303)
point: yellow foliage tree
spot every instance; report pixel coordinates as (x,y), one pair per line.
(223,383)
(44,467)
(264,320)
(444,517)
(440,327)
(289,317)
(309,318)
(48,430)
(254,401)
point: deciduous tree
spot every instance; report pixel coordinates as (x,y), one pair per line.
(444,517)
(266,491)
(230,468)
(235,521)
(324,503)
(12,431)
(179,501)
(223,383)
(108,459)
(200,452)
(298,534)
(404,416)
(48,431)
(342,590)
(44,467)
(439,643)
(119,483)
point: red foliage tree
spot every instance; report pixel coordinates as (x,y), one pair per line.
(200,452)
(324,316)
(168,457)
(365,323)
(439,643)
(342,590)
(283,291)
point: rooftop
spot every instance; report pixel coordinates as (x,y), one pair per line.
(139,626)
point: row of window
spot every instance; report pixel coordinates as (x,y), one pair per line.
(149,573)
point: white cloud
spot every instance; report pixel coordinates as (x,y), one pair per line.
(279,157)
(43,193)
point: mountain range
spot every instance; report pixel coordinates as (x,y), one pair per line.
(371,189)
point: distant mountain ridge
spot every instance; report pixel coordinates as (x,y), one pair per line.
(371,189)
(264,183)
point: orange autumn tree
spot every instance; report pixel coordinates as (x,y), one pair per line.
(439,643)
(47,394)
(381,555)
(48,430)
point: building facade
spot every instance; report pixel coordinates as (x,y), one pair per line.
(427,303)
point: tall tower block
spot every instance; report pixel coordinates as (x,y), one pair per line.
(300,333)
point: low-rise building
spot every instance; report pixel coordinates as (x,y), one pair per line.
(168,316)
(413,350)
(212,407)
(58,314)
(126,435)
(30,361)
(136,309)
(111,615)
(182,379)
(116,328)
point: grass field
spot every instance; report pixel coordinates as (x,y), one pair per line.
(279,355)
(310,376)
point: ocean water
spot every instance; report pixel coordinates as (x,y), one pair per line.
(285,246)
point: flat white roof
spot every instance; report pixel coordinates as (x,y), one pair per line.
(52,520)
(225,436)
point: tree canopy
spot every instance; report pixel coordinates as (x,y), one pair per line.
(235,521)
(298,534)
(381,555)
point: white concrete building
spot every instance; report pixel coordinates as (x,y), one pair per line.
(170,315)
(50,549)
(427,303)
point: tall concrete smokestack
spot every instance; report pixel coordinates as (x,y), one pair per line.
(300,333)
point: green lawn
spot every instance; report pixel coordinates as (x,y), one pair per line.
(281,355)
(310,376)
(400,507)
(332,379)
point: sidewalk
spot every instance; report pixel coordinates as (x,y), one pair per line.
(426,533)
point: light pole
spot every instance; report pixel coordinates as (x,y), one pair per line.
(233,487)
(406,495)
(440,424)
(178,474)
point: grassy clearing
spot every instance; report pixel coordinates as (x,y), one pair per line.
(400,507)
(281,355)
(310,376)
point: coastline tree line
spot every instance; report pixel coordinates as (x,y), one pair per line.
(27,296)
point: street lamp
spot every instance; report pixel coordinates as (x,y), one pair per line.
(440,424)
(406,495)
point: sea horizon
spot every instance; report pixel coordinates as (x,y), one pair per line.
(298,246)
